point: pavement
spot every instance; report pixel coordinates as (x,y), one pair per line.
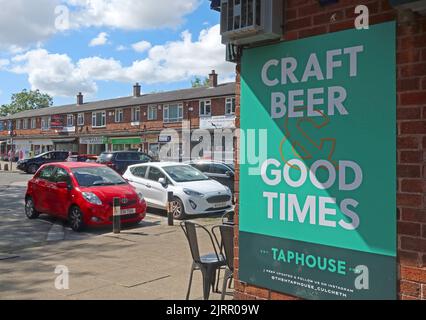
(149,261)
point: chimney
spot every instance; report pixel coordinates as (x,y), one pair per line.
(79,99)
(213,79)
(137,90)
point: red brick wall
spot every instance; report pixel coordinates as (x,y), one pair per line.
(304,18)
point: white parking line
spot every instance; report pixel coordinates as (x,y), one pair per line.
(56,233)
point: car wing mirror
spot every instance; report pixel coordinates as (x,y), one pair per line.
(230,174)
(163,182)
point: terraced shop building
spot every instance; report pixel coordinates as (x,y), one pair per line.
(129,123)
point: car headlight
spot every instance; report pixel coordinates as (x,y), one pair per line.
(228,190)
(92,198)
(190,192)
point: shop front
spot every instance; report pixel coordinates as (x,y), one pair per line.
(125,144)
(93,145)
(66,144)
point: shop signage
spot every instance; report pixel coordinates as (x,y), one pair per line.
(125,140)
(217,122)
(320,222)
(56,121)
(93,140)
(164,139)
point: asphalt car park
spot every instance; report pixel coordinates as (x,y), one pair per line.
(150,260)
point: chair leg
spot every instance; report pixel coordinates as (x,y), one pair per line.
(190,281)
(217,282)
(208,280)
(227,276)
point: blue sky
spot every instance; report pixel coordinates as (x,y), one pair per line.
(95,50)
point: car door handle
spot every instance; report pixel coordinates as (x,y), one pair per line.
(148,185)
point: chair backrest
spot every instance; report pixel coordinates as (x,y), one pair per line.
(190,230)
(227,235)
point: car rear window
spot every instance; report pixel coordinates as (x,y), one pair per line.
(105,157)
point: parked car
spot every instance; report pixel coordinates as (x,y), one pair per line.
(83,194)
(219,171)
(82,158)
(120,160)
(31,165)
(194,192)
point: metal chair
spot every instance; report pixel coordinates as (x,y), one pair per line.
(208,264)
(227,245)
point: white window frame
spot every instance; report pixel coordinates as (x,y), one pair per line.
(80,117)
(231,101)
(33,123)
(18,124)
(134,111)
(203,108)
(24,124)
(103,119)
(70,120)
(118,115)
(166,118)
(154,108)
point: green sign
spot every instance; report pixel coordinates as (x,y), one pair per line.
(318,207)
(125,140)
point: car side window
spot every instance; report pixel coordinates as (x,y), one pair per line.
(154,174)
(61,175)
(203,167)
(218,168)
(124,156)
(144,157)
(139,171)
(47,156)
(46,173)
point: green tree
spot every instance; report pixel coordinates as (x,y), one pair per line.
(197,82)
(26,100)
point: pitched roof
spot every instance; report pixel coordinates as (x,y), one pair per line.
(225,89)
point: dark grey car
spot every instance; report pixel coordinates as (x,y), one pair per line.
(222,172)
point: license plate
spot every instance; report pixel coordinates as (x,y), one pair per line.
(128,211)
(220,205)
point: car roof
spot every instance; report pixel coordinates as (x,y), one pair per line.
(106,152)
(73,165)
(208,161)
(159,164)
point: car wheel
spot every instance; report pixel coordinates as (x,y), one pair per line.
(75,219)
(32,168)
(30,210)
(177,209)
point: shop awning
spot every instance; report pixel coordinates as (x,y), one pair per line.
(69,140)
(125,140)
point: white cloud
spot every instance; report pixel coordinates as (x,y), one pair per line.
(131,14)
(3,63)
(100,40)
(52,73)
(121,48)
(24,23)
(174,61)
(141,46)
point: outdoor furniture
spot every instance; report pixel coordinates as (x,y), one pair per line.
(227,245)
(208,264)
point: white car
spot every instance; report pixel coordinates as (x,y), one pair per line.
(194,192)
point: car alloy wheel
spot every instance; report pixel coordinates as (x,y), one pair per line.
(30,211)
(76,219)
(177,209)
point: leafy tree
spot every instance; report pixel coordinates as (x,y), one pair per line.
(26,100)
(197,82)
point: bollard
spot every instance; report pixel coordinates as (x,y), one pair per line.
(116,214)
(169,208)
(6,167)
(0,166)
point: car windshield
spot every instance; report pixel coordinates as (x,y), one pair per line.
(184,173)
(97,176)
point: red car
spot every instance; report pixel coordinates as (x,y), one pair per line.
(83,194)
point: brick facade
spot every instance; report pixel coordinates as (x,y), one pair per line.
(305,18)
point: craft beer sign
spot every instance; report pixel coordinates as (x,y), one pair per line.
(318,219)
